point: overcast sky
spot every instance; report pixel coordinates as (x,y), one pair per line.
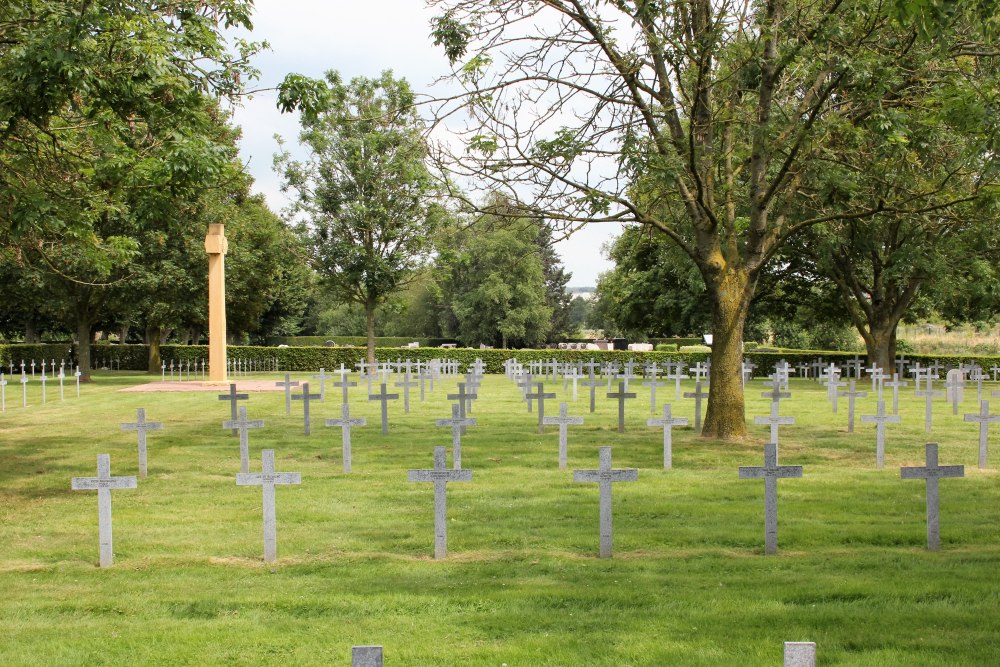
(358,38)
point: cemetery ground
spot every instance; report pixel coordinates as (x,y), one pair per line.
(688,584)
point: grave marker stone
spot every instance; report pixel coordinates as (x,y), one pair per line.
(933,473)
(366,656)
(896,383)
(267,479)
(141,426)
(592,383)
(322,377)
(800,654)
(564,421)
(24,390)
(384,398)
(771,472)
(540,397)
(462,396)
(985,419)
(652,384)
(697,395)
(233,397)
(667,422)
(3,393)
(440,476)
(929,394)
(774,421)
(287,385)
(851,395)
(305,397)
(345,423)
(103,484)
(955,388)
(456,423)
(621,395)
(344,385)
(880,420)
(406,382)
(605,476)
(241,426)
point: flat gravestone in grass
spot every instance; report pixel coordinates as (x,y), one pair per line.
(366,656)
(103,484)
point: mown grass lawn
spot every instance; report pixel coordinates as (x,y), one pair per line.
(688,585)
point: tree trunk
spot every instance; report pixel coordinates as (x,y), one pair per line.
(153,339)
(123,334)
(730,295)
(880,343)
(370,314)
(31,335)
(84,337)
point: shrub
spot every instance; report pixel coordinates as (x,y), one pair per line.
(695,348)
(666,347)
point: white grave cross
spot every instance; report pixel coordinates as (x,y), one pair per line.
(267,479)
(141,426)
(605,477)
(103,484)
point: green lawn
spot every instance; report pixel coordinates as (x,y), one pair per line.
(688,585)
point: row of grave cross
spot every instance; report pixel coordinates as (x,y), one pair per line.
(43,379)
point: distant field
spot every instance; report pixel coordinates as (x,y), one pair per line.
(688,585)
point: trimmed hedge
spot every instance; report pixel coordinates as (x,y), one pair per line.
(358,341)
(134,357)
(679,342)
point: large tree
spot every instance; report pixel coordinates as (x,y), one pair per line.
(705,120)
(363,187)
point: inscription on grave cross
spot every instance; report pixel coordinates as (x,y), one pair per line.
(103,484)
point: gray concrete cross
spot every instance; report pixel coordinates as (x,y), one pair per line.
(933,473)
(24,390)
(564,421)
(440,476)
(985,419)
(305,397)
(770,472)
(895,383)
(241,426)
(322,377)
(774,421)
(652,371)
(605,476)
(384,398)
(954,389)
(233,397)
(103,484)
(880,419)
(667,422)
(3,393)
(345,423)
(540,396)
(929,394)
(406,382)
(851,395)
(287,384)
(697,395)
(457,423)
(344,385)
(621,395)
(592,383)
(267,479)
(464,398)
(141,426)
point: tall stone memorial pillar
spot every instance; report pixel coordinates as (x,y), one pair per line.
(216,246)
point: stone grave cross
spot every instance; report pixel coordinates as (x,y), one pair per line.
(771,472)
(305,397)
(653,370)
(24,390)
(287,385)
(954,388)
(985,419)
(540,396)
(564,421)
(697,395)
(241,426)
(322,377)
(384,398)
(456,423)
(406,382)
(895,384)
(933,473)
(667,422)
(141,426)
(774,421)
(103,484)
(605,476)
(267,479)
(852,393)
(929,394)
(3,393)
(233,397)
(592,383)
(344,384)
(464,398)
(880,420)
(345,423)
(440,476)
(621,395)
